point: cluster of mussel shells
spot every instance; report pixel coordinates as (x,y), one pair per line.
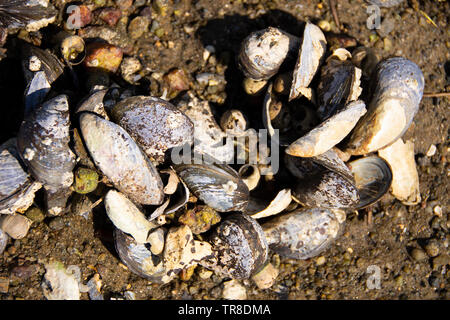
(169,216)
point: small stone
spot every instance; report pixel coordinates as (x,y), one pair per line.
(209,50)
(175,81)
(418,255)
(440,261)
(399,280)
(324,25)
(129,67)
(137,27)
(265,278)
(205,273)
(86,180)
(200,219)
(4,285)
(431,151)
(186,274)
(253,87)
(434,281)
(320,260)
(110,15)
(437,210)
(57,223)
(24,272)
(124,4)
(35,214)
(432,248)
(233,290)
(103,56)
(156,238)
(387,44)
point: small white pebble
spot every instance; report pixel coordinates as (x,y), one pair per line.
(431,151)
(34,64)
(233,290)
(320,260)
(438,211)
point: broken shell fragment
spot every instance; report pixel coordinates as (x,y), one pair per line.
(405,178)
(15,225)
(249,173)
(94,103)
(3,241)
(218,185)
(119,158)
(33,15)
(208,136)
(303,233)
(181,250)
(239,246)
(156,125)
(328,133)
(233,122)
(59,283)
(399,88)
(280,203)
(139,258)
(254,87)
(263,52)
(309,59)
(373,178)
(127,217)
(16,187)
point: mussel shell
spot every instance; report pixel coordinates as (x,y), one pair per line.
(326,190)
(329,133)
(18,14)
(373,179)
(263,52)
(36,91)
(3,241)
(240,246)
(43,143)
(218,185)
(335,87)
(399,88)
(44,60)
(116,154)
(309,59)
(156,125)
(94,103)
(12,176)
(303,233)
(138,258)
(292,119)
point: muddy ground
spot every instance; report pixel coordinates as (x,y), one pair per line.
(385,241)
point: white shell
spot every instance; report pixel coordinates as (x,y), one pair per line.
(59,284)
(121,160)
(127,217)
(328,133)
(310,57)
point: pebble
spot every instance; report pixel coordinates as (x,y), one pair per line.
(431,151)
(320,260)
(205,273)
(35,214)
(265,278)
(129,67)
(137,27)
(4,285)
(438,211)
(176,81)
(24,272)
(103,56)
(418,254)
(432,248)
(57,223)
(209,50)
(110,15)
(440,260)
(233,290)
